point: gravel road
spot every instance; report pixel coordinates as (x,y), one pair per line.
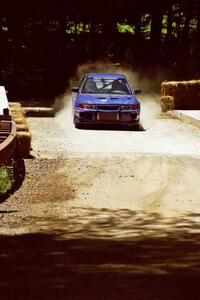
(54,138)
(105,214)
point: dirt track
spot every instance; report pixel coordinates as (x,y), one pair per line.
(103,214)
(54,138)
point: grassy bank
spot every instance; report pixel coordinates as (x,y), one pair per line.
(5,180)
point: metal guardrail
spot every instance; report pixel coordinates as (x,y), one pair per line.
(7,140)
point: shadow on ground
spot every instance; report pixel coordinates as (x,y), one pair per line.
(81,258)
(37,102)
(40,112)
(112,127)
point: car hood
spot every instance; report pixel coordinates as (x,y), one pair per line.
(106,99)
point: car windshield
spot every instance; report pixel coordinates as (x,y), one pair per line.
(106,86)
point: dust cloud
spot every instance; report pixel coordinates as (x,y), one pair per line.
(150,107)
(63,110)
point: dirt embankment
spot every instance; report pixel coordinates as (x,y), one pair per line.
(61,189)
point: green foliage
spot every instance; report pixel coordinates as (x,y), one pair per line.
(164,25)
(124,27)
(5,180)
(146,25)
(193,25)
(77,28)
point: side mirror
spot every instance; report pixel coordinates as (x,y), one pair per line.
(138,91)
(75,89)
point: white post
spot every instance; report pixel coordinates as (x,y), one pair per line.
(4,106)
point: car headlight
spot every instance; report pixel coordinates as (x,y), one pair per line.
(130,107)
(86,106)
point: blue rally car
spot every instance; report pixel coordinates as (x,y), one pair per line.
(105,99)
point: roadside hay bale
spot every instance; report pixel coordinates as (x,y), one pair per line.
(14,105)
(186,93)
(18,114)
(166,103)
(169,88)
(19,120)
(182,88)
(22,127)
(194,87)
(23,135)
(17,110)
(23,144)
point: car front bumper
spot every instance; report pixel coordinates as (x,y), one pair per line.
(106,117)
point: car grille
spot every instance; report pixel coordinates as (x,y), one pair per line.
(108,117)
(108,107)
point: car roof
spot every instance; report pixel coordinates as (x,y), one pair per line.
(105,75)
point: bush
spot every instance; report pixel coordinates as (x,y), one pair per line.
(5,180)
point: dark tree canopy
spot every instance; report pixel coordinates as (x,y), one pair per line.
(58,35)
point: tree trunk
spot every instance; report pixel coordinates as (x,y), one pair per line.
(16,27)
(63,24)
(138,24)
(156,30)
(169,21)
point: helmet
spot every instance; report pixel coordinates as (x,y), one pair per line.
(90,86)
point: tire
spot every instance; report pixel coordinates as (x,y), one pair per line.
(137,127)
(78,126)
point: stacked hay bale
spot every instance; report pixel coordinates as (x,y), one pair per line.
(166,103)
(23,134)
(180,95)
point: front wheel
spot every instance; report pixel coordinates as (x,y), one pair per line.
(77,125)
(137,127)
